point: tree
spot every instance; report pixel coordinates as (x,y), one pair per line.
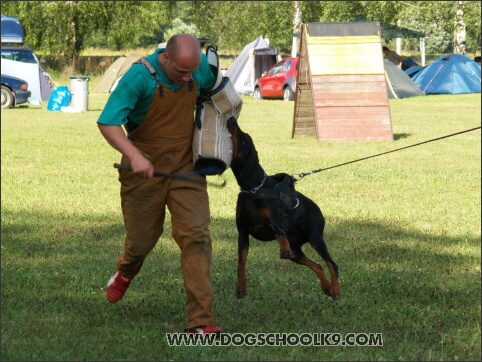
(179,26)
(62,27)
(66,28)
(459,32)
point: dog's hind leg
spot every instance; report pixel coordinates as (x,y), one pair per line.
(243,249)
(334,287)
(331,289)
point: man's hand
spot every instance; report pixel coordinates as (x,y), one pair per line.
(117,138)
(141,166)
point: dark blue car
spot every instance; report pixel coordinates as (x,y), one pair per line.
(14,91)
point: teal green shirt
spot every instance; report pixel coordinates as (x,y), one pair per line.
(133,95)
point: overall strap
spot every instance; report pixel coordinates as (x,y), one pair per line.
(151,70)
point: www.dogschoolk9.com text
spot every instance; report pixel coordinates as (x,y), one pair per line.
(276,339)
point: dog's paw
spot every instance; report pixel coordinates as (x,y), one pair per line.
(241,293)
(335,292)
(241,290)
(286,255)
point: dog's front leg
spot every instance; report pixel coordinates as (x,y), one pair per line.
(243,249)
(285,251)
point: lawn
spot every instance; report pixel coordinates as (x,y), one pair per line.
(404,229)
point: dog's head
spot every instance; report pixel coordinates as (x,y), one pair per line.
(243,145)
(245,162)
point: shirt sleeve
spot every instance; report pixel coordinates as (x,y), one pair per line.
(131,97)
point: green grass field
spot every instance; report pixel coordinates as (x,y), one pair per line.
(404,229)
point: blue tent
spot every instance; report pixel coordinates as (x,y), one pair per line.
(450,74)
(414,70)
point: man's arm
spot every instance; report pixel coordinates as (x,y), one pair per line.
(117,138)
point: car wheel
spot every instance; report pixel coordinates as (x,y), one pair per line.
(257,94)
(7,97)
(288,94)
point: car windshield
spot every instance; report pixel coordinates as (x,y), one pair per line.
(19,55)
(287,66)
(276,68)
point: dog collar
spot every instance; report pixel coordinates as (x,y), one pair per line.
(254,190)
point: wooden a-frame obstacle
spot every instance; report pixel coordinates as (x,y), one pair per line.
(341,92)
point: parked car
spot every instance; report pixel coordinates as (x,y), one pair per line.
(26,55)
(279,81)
(20,54)
(14,91)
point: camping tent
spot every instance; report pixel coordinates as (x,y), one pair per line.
(414,70)
(450,74)
(255,59)
(399,84)
(115,71)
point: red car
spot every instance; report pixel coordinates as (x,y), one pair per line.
(279,82)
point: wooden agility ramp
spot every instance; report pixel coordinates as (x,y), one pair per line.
(341,92)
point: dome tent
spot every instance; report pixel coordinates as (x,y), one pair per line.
(399,84)
(116,70)
(450,74)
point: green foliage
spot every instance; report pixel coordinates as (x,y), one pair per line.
(403,227)
(178,26)
(233,24)
(68,27)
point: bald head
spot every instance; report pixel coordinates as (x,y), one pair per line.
(181,58)
(184,46)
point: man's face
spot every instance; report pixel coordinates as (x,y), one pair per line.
(180,69)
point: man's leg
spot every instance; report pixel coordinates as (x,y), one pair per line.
(189,207)
(143,208)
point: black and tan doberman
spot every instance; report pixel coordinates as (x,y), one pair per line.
(269,208)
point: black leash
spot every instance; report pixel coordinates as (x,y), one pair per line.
(186,176)
(299,176)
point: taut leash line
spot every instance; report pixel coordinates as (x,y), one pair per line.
(299,176)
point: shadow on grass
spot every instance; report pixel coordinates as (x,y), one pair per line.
(421,291)
(400,136)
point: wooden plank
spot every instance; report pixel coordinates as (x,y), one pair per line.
(348,78)
(350,102)
(344,50)
(334,88)
(369,64)
(358,114)
(341,40)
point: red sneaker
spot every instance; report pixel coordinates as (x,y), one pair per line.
(206,330)
(116,287)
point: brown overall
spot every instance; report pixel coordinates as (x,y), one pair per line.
(165,137)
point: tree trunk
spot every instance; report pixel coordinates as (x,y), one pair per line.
(459,32)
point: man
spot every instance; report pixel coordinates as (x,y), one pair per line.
(392,56)
(157,111)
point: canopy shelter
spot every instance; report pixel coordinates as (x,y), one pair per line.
(389,31)
(392,32)
(255,59)
(341,92)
